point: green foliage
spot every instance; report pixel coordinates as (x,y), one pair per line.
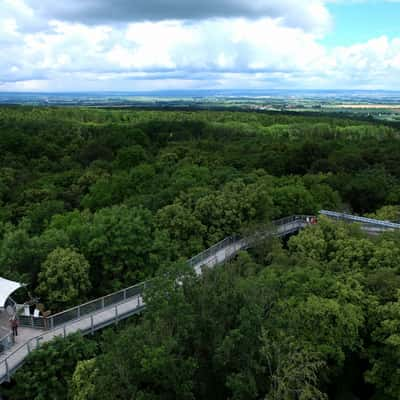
(387,213)
(293,199)
(293,372)
(227,212)
(384,352)
(19,254)
(247,332)
(124,246)
(82,384)
(40,214)
(129,157)
(133,376)
(47,371)
(186,232)
(64,278)
(92,200)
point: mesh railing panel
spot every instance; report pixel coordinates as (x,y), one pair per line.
(364,221)
(91,307)
(62,318)
(6,342)
(113,299)
(134,291)
(32,322)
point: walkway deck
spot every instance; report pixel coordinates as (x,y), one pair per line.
(29,339)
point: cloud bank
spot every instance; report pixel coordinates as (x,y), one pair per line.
(165,44)
(310,14)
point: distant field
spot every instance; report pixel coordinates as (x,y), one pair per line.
(366,106)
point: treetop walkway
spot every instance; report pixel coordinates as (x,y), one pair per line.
(99,313)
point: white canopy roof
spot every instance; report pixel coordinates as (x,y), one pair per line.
(6,289)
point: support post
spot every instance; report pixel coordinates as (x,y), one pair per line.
(78,312)
(124,294)
(116,315)
(28,345)
(102,302)
(65,330)
(91,325)
(7,370)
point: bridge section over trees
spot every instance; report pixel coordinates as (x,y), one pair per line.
(97,314)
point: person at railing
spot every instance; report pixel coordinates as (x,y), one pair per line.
(14,325)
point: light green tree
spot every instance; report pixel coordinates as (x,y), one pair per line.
(184,229)
(64,278)
(293,373)
(384,352)
(82,385)
(387,213)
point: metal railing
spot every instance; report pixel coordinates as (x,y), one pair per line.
(94,306)
(235,239)
(205,257)
(16,358)
(29,321)
(6,342)
(362,220)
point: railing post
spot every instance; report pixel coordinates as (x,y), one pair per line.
(91,325)
(7,370)
(65,330)
(78,312)
(37,342)
(124,294)
(102,303)
(32,321)
(52,322)
(29,347)
(116,315)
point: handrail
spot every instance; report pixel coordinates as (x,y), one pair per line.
(77,310)
(100,303)
(94,305)
(99,298)
(363,220)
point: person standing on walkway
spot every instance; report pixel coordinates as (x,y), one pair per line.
(14,325)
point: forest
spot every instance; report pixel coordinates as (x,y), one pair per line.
(95,200)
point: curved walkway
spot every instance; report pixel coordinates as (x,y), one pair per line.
(99,313)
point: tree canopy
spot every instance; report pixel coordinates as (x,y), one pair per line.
(93,200)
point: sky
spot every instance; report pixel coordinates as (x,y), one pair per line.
(144,45)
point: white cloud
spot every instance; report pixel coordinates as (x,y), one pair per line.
(279,51)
